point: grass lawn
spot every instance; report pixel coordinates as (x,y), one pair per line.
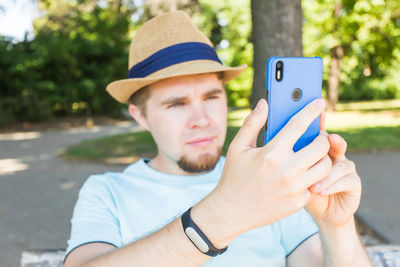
(366,126)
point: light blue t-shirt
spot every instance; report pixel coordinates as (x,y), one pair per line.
(122,207)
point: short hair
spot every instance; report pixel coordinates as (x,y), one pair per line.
(139,98)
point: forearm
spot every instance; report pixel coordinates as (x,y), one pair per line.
(170,246)
(342,246)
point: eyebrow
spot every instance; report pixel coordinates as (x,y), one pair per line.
(174,99)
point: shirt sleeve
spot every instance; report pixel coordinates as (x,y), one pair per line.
(295,229)
(95,216)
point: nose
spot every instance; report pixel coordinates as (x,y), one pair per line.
(199,116)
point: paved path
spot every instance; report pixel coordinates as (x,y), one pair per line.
(38,191)
(37,198)
(380,202)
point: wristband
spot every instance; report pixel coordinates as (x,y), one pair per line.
(197,237)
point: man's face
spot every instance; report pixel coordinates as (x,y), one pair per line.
(186,116)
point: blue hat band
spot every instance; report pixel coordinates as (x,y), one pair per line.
(171,55)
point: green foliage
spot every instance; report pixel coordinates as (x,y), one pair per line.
(369,33)
(20,96)
(230,32)
(77,51)
(82,45)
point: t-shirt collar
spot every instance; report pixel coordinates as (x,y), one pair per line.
(141,168)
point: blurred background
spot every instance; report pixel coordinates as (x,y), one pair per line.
(58,124)
(58,56)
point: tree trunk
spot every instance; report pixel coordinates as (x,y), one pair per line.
(277,29)
(334,77)
(337,54)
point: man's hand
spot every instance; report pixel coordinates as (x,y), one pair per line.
(260,185)
(336,198)
(333,202)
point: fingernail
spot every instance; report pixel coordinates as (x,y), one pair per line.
(259,106)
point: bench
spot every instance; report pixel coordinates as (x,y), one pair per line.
(381,256)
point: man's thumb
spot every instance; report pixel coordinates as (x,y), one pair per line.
(247,135)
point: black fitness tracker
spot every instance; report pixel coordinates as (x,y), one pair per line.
(198,238)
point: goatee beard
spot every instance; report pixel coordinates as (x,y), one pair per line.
(205,162)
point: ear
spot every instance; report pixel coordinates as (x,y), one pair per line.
(137,115)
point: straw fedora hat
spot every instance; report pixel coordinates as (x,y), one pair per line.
(167,46)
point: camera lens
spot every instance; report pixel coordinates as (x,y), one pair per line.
(296,94)
(279,71)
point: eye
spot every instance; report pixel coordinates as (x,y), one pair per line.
(211,97)
(176,105)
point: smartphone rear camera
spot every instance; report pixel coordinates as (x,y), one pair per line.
(279,71)
(297,94)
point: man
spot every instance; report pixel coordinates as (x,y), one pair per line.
(190,206)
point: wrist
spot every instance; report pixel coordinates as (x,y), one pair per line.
(332,229)
(342,245)
(343,237)
(213,218)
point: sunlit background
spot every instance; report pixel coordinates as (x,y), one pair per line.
(57,56)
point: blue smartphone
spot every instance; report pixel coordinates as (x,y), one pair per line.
(292,83)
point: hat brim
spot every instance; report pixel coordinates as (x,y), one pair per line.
(121,90)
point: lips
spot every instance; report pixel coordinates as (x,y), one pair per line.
(202,141)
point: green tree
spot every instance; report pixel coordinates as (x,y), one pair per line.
(79,47)
(228,24)
(358,41)
(88,44)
